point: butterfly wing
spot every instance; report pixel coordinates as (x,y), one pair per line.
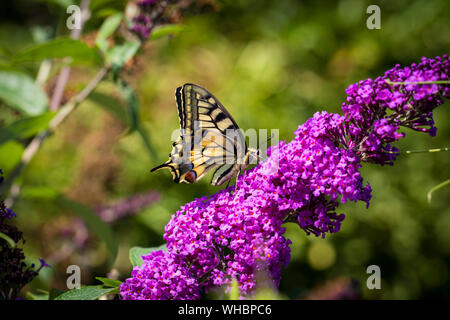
(224,173)
(209,137)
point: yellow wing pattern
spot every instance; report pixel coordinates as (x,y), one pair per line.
(209,138)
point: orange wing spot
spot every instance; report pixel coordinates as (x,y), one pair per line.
(191,176)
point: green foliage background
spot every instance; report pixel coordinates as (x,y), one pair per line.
(272,64)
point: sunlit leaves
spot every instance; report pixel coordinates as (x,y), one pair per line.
(120,54)
(131,101)
(19,91)
(91,292)
(25,127)
(108,27)
(110,104)
(132,105)
(78,51)
(11,152)
(109,282)
(165,30)
(86,293)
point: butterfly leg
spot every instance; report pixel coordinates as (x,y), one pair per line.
(237,177)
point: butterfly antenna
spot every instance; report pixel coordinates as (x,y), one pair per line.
(165,164)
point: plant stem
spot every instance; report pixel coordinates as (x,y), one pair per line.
(63,76)
(421,82)
(419,151)
(43,73)
(62,114)
(10,241)
(439,186)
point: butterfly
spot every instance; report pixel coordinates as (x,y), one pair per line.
(209,139)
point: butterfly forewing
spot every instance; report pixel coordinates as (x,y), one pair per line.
(209,138)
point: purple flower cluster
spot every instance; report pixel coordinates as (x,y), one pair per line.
(222,238)
(6,212)
(237,235)
(376,109)
(127,206)
(142,23)
(163,276)
(14,272)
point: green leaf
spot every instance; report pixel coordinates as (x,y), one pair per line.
(129,116)
(136,253)
(54,293)
(21,92)
(14,150)
(85,293)
(26,127)
(131,103)
(120,54)
(63,47)
(10,241)
(42,193)
(108,27)
(109,282)
(107,102)
(146,139)
(165,30)
(94,223)
(37,296)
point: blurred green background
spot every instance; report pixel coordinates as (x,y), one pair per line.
(272,64)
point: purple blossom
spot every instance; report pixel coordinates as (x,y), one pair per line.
(369,125)
(162,276)
(43,264)
(127,206)
(236,235)
(7,213)
(143,23)
(143,30)
(14,272)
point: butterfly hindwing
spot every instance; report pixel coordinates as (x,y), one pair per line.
(224,173)
(209,138)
